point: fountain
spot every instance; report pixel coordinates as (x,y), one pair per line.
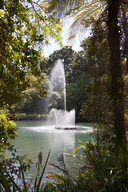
(63,119)
(60,117)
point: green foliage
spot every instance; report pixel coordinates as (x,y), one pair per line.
(105,164)
(84,13)
(32,104)
(66,55)
(100,170)
(8,170)
(126,120)
(56,100)
(98,105)
(24,116)
(76,93)
(23,28)
(77,77)
(7,130)
(106,14)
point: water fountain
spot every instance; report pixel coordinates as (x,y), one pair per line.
(61,118)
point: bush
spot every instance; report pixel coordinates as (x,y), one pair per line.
(102,171)
(7,130)
(24,116)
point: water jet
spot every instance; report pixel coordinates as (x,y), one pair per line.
(60,117)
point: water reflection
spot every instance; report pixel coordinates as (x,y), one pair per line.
(34,138)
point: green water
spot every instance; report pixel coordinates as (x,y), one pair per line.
(35,136)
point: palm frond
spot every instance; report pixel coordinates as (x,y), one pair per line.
(63,7)
(85,17)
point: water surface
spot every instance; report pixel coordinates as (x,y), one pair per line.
(36,136)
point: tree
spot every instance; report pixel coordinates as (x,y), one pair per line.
(7,131)
(98,105)
(55,99)
(78,79)
(76,69)
(117,87)
(33,103)
(88,13)
(66,56)
(24,29)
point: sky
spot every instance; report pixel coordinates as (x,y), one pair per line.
(76,42)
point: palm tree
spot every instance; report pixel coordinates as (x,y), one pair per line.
(86,13)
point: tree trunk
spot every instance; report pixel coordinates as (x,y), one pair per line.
(117,94)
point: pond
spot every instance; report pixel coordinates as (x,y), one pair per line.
(36,136)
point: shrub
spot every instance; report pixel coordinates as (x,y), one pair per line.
(7,130)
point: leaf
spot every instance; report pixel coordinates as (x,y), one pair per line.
(4,182)
(43,171)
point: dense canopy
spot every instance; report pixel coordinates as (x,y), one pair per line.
(24,29)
